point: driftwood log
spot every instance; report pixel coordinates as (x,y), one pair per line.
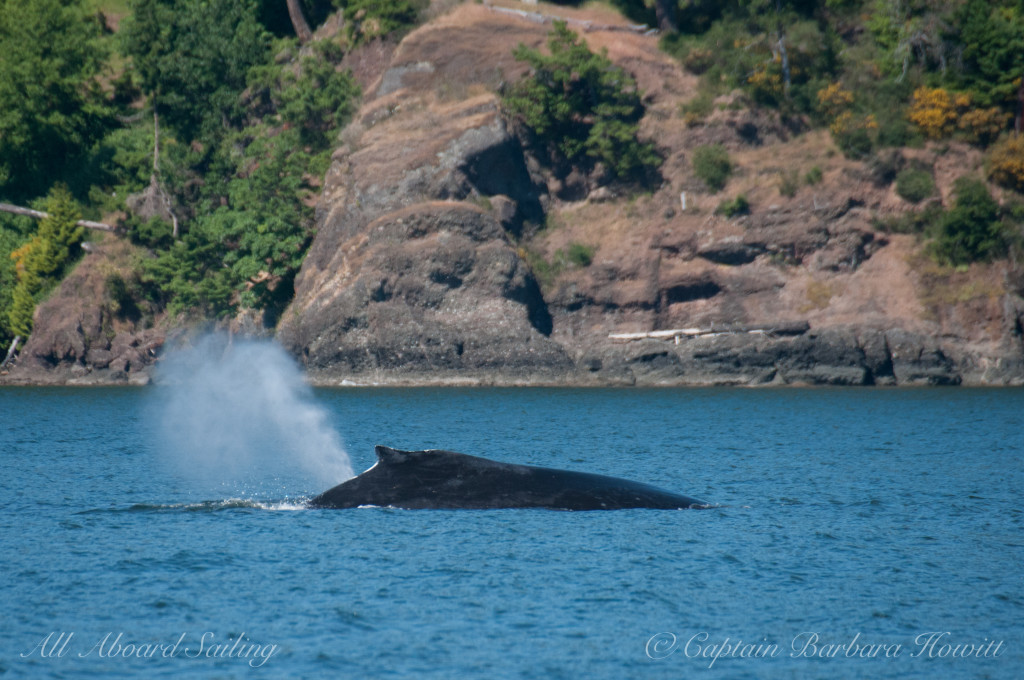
(677,334)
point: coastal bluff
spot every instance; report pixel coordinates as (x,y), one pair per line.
(441,241)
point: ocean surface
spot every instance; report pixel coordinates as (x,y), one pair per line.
(861,533)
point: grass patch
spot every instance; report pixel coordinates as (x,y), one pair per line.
(789,183)
(819,295)
(943,285)
(576,255)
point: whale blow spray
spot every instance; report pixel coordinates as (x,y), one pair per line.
(238,414)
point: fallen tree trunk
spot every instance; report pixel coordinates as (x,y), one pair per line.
(39,215)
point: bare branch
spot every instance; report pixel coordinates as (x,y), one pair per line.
(39,215)
(10,352)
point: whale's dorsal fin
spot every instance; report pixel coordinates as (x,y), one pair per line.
(389,456)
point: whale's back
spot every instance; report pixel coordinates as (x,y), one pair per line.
(441,479)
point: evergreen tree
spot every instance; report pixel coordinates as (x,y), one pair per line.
(192,57)
(41,262)
(992,36)
(53,109)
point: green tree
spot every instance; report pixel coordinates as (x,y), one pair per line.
(579,107)
(41,262)
(912,31)
(15,231)
(53,108)
(316,97)
(248,194)
(780,51)
(992,37)
(191,275)
(254,221)
(192,58)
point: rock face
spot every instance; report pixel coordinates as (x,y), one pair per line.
(433,292)
(410,278)
(431,211)
(417,274)
(79,336)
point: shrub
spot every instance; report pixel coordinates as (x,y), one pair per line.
(737,206)
(712,165)
(698,60)
(579,107)
(852,134)
(575,255)
(125,295)
(855,143)
(982,126)
(894,130)
(369,19)
(971,230)
(934,111)
(765,82)
(579,254)
(915,185)
(813,176)
(1005,164)
(938,113)
(153,233)
(833,100)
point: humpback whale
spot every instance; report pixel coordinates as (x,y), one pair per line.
(439,479)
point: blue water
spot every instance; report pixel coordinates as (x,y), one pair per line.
(864,518)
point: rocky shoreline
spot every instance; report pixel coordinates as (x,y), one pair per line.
(836,356)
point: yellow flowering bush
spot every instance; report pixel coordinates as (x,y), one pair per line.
(934,111)
(938,114)
(1005,164)
(833,100)
(981,126)
(766,80)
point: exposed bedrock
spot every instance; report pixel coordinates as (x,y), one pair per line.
(833,356)
(432,290)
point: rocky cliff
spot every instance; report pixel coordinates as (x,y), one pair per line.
(441,251)
(418,272)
